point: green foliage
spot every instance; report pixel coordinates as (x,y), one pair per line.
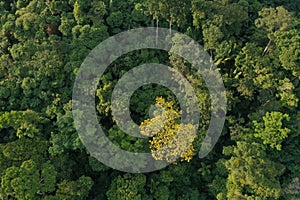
(271,131)
(127,187)
(29,181)
(219,21)
(287,96)
(96,165)
(255,46)
(71,190)
(24,149)
(274,19)
(251,174)
(130,143)
(65,137)
(292,190)
(288,43)
(26,123)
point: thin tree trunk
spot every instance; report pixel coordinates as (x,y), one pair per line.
(267,47)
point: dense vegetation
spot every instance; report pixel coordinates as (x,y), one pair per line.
(256,47)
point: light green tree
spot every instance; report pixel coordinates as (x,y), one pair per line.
(251,174)
(271,130)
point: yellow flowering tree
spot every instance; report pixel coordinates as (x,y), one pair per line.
(170,139)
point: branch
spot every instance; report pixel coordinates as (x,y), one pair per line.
(267,47)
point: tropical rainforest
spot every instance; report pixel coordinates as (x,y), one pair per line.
(255,45)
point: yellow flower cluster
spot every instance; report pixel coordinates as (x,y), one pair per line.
(170,139)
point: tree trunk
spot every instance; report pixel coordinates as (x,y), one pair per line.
(267,47)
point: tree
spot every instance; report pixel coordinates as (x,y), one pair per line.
(261,76)
(65,138)
(271,131)
(292,190)
(127,187)
(286,93)
(272,20)
(288,42)
(29,181)
(169,144)
(29,24)
(79,11)
(73,190)
(251,174)
(220,22)
(24,149)
(176,11)
(26,123)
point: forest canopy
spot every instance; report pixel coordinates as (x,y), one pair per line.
(255,46)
